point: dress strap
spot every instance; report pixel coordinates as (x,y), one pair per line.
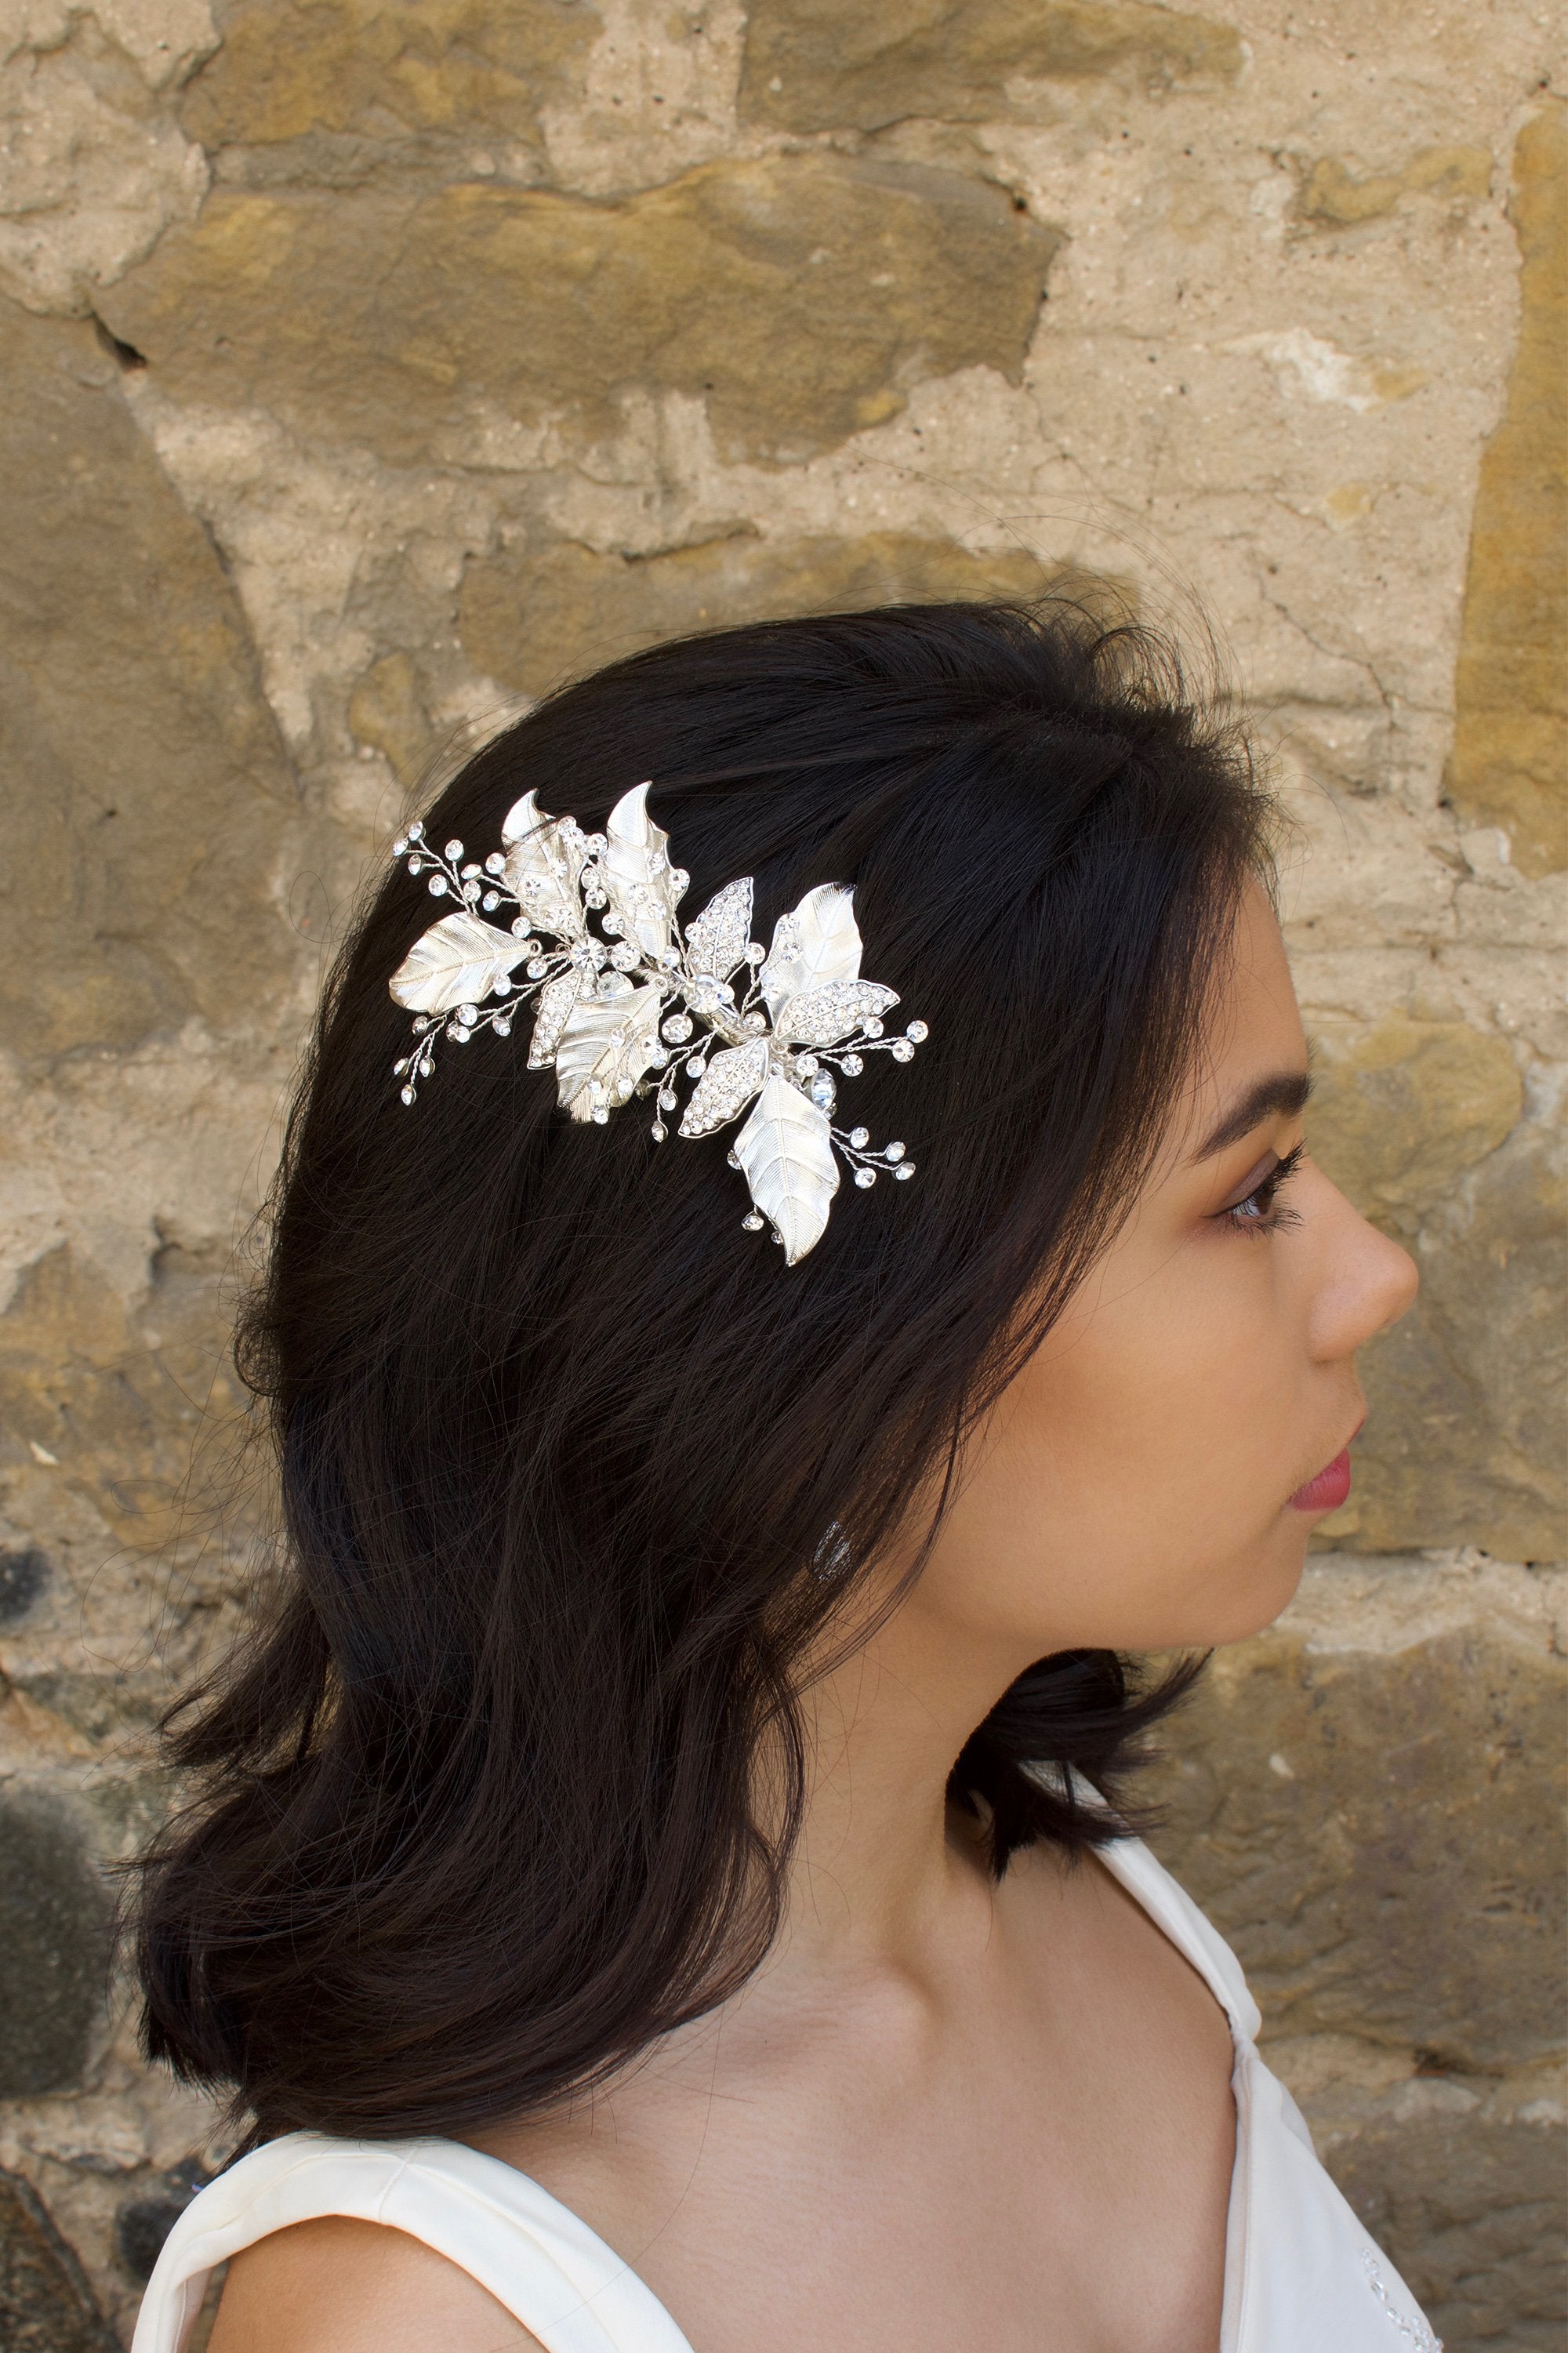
(535,2257)
(1196,1938)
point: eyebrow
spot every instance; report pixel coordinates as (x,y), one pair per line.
(1283,1094)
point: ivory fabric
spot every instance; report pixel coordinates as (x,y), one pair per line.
(1301,2272)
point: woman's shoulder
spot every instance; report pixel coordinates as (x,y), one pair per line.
(338,2285)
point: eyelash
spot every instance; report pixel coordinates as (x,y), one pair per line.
(1276,1214)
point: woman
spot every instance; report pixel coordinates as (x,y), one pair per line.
(659,1878)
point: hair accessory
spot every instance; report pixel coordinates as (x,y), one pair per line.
(626,1014)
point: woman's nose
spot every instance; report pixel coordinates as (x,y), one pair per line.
(1367,1280)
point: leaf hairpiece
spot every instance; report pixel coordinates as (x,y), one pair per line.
(630,1008)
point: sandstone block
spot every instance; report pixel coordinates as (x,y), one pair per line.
(1366,1828)
(1332,195)
(1419,1122)
(1509,760)
(148,806)
(1402,1109)
(536,619)
(357,71)
(54,1947)
(117,1404)
(810,66)
(799,295)
(1470,2208)
(45,2304)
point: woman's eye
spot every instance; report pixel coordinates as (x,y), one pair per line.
(1260,1211)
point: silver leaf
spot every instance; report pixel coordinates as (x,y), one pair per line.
(607,1045)
(717,941)
(524,817)
(457,962)
(732,1079)
(819,942)
(556,1000)
(786,1152)
(635,866)
(539,872)
(822,1016)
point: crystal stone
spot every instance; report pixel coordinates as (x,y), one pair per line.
(757,1022)
(468,1013)
(678,1029)
(416,866)
(502,1025)
(495,863)
(859,1137)
(894,1152)
(400,845)
(752,1224)
(864,1178)
(902,1050)
(852,1066)
(470,870)
(501,987)
(823,1092)
(807,1065)
(437,886)
(416,829)
(408,1094)
(460,1033)
(659,1131)
(872,1028)
(918,1032)
(454,849)
(905,1169)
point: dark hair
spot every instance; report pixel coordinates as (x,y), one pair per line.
(478,1812)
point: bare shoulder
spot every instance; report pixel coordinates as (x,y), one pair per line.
(336,2286)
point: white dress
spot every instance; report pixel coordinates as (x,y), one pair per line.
(1301,2273)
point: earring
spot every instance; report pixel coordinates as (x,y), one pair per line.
(833,1555)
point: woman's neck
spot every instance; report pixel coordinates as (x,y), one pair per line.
(884,1863)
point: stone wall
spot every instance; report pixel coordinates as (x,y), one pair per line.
(367,365)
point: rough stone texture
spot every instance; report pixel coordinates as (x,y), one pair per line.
(1359,1797)
(54,1941)
(401,324)
(1420,1123)
(146,792)
(336,83)
(812,65)
(1509,762)
(366,369)
(536,620)
(45,2304)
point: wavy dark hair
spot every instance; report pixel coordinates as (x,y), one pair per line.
(477,1809)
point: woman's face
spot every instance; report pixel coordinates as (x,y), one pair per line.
(1141,1483)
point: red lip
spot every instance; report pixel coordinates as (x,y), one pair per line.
(1328,1489)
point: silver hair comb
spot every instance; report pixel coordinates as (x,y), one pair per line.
(630,1012)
